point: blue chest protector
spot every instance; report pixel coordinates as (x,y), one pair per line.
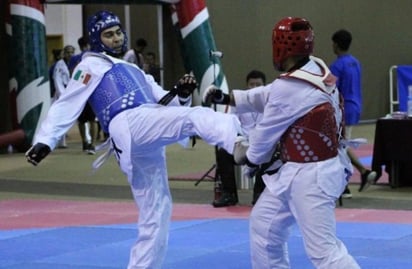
(122,87)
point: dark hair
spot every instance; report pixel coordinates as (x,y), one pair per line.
(83,41)
(67,48)
(56,54)
(141,42)
(151,53)
(343,39)
(256,74)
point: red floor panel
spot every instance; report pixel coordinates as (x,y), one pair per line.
(18,214)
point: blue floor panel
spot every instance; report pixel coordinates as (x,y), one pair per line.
(198,244)
(367,161)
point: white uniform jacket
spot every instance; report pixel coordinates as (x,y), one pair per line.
(86,77)
(283,102)
(248,120)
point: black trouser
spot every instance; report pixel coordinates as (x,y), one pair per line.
(226,170)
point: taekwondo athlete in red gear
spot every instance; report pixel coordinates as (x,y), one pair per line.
(302,114)
(125,100)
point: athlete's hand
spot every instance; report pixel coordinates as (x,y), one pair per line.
(37,153)
(185,86)
(239,150)
(214,95)
(249,171)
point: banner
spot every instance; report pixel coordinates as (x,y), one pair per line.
(199,49)
(29,85)
(404,80)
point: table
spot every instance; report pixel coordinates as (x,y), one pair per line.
(393,149)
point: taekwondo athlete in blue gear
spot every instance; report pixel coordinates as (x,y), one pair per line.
(125,100)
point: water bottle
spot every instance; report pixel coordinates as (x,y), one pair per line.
(409,101)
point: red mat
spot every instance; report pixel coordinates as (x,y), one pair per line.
(19,214)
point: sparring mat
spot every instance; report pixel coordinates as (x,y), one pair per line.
(46,234)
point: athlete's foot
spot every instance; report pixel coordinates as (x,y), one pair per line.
(367,178)
(227,199)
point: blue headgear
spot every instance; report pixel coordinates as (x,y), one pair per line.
(99,22)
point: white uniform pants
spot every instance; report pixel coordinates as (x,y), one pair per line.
(304,203)
(139,136)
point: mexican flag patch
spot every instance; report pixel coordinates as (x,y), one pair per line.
(82,76)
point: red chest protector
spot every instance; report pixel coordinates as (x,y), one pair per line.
(313,137)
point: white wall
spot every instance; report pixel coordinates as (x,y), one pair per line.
(65,20)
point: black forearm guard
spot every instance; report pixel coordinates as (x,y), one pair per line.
(219,97)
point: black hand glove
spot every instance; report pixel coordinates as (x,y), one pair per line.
(37,153)
(215,95)
(185,86)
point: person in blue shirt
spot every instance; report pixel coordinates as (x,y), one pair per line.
(348,71)
(224,160)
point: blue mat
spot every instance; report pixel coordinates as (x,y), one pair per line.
(212,243)
(366,161)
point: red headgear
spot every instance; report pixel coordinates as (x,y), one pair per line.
(291,37)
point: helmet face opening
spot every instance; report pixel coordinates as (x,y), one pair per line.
(98,23)
(291,37)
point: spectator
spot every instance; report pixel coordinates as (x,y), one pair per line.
(348,71)
(151,67)
(61,77)
(224,160)
(57,55)
(135,55)
(87,120)
(61,73)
